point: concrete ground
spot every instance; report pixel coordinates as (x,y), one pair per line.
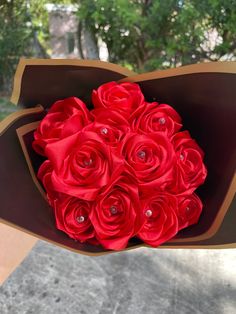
(54,280)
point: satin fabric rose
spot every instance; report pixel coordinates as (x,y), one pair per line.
(189,170)
(189,210)
(123,97)
(82,165)
(110,125)
(152,117)
(116,212)
(72,217)
(160,219)
(150,157)
(64,118)
(45,175)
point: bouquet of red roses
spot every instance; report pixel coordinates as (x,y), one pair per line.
(122,170)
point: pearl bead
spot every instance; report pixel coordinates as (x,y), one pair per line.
(148,213)
(181,157)
(141,154)
(187,209)
(88,162)
(104,131)
(80,219)
(113,210)
(162,120)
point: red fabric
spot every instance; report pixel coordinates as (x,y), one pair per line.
(64,118)
(124,97)
(189,210)
(189,169)
(67,211)
(122,170)
(152,117)
(163,224)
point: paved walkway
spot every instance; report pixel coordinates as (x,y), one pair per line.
(52,280)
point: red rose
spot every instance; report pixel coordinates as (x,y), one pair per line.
(45,174)
(64,118)
(161,222)
(190,171)
(189,210)
(116,213)
(123,97)
(72,217)
(150,157)
(82,164)
(110,125)
(152,117)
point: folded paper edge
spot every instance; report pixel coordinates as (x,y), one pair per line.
(212,67)
(54,62)
(20,133)
(218,246)
(11,118)
(207,67)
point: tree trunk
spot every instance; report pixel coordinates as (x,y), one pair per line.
(87,43)
(38,49)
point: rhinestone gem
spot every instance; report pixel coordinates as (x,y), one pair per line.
(88,162)
(162,120)
(113,210)
(148,213)
(141,154)
(104,131)
(80,219)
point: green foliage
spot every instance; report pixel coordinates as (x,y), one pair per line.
(24,32)
(40,19)
(141,34)
(6,107)
(150,34)
(15,35)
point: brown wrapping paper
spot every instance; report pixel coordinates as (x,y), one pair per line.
(203,94)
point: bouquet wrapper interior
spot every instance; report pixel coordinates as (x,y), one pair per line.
(203,94)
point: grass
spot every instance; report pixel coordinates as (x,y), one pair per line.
(6,107)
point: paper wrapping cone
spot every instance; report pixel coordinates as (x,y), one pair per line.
(203,94)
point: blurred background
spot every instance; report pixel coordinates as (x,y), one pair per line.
(143,35)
